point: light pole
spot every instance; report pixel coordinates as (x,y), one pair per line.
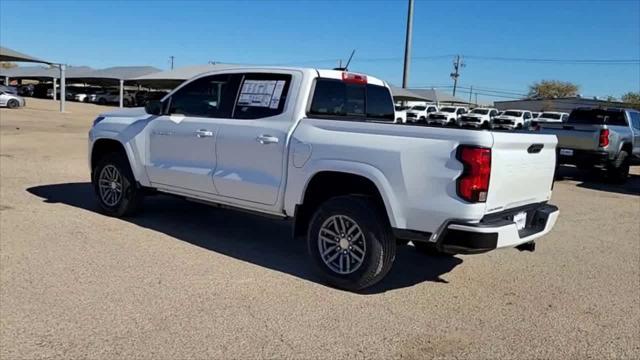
(407,46)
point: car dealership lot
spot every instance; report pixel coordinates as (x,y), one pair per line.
(186,280)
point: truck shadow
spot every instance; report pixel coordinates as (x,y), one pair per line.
(596,180)
(247,237)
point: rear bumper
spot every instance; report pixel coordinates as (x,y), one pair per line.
(590,157)
(497,231)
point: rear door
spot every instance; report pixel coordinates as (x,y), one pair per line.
(522,168)
(251,146)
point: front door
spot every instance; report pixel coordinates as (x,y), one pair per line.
(182,144)
(251,147)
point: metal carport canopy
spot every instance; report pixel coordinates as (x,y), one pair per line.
(114,75)
(403,94)
(7,54)
(169,79)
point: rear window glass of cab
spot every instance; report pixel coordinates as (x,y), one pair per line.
(336,99)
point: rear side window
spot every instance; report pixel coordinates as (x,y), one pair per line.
(261,95)
(337,99)
(597,117)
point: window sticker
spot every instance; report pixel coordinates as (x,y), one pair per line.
(261,93)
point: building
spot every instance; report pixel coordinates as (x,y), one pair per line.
(565,104)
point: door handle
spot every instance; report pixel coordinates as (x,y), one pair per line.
(267,139)
(204,133)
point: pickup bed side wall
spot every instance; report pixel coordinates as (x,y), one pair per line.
(414,168)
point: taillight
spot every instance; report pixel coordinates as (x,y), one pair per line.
(354,78)
(473,184)
(604,138)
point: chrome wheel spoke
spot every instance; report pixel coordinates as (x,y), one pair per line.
(110,185)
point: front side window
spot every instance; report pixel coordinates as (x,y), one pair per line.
(209,96)
(262,95)
(335,98)
(431,109)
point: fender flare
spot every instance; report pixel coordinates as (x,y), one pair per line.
(392,207)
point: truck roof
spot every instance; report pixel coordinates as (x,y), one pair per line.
(324,73)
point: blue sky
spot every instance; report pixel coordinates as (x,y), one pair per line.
(317,33)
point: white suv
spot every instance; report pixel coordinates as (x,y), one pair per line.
(447,115)
(512,119)
(478,117)
(419,113)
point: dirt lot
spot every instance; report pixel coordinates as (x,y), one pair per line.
(187,281)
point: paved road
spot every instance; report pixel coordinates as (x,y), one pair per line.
(184,280)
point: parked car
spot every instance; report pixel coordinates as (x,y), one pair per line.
(9,89)
(447,115)
(142,97)
(26,90)
(10,100)
(111,97)
(401,114)
(478,117)
(599,138)
(552,117)
(512,119)
(419,113)
(352,181)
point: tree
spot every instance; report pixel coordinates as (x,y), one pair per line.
(7,65)
(552,89)
(632,98)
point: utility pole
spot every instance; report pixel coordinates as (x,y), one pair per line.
(476,99)
(457,64)
(407,46)
(470,93)
(171,59)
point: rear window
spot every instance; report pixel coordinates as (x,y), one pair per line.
(512,113)
(551,116)
(419,108)
(334,98)
(448,109)
(597,117)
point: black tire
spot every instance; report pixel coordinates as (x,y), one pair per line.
(519,126)
(102,101)
(12,104)
(132,196)
(428,249)
(618,169)
(486,125)
(126,103)
(380,250)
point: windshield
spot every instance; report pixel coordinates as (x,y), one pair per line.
(597,117)
(513,113)
(419,108)
(400,108)
(551,116)
(480,111)
(448,109)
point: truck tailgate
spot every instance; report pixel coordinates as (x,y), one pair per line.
(522,169)
(578,136)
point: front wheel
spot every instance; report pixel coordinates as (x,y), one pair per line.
(351,243)
(12,104)
(115,186)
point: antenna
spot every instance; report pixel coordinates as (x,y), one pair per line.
(346,67)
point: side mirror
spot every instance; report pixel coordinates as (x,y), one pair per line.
(153,107)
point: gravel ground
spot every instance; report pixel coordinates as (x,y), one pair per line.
(184,280)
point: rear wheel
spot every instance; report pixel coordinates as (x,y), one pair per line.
(618,170)
(102,101)
(12,104)
(351,243)
(115,186)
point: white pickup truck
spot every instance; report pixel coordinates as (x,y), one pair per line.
(320,147)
